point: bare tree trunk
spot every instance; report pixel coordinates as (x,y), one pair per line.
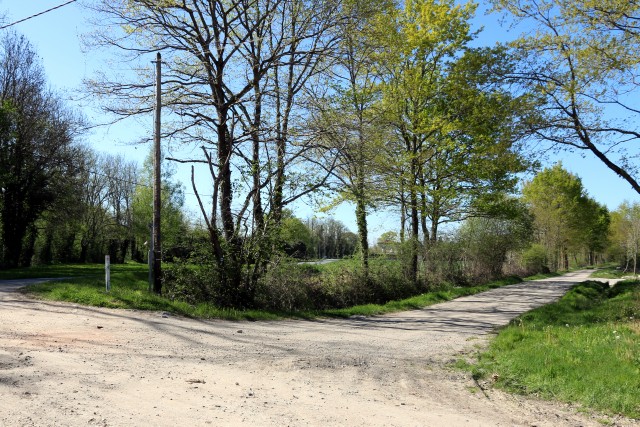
(415,223)
(361,220)
(403,210)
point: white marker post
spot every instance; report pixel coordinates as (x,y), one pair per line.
(107,271)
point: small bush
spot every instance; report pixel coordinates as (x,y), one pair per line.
(283,287)
(534,259)
(443,263)
(191,284)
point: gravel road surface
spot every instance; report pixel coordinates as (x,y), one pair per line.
(70,365)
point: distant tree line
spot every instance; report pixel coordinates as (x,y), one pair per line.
(317,238)
(553,226)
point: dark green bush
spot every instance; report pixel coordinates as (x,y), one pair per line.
(192,284)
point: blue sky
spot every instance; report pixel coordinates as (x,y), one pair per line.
(56,37)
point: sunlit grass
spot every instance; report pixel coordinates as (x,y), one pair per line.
(543,276)
(416,302)
(613,272)
(583,349)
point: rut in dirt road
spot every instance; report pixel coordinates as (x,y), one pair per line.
(63,364)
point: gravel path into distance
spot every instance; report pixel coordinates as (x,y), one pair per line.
(70,365)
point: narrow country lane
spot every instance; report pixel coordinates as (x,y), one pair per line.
(65,364)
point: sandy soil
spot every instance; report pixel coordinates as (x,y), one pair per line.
(64,364)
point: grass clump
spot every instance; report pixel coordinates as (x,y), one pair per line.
(583,349)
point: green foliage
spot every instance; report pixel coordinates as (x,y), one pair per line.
(582,349)
(566,219)
(290,287)
(191,283)
(534,259)
(37,149)
(297,237)
(443,262)
(388,243)
(174,226)
(625,235)
(488,241)
(331,238)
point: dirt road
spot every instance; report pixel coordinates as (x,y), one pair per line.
(63,364)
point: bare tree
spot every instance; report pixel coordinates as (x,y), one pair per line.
(224,62)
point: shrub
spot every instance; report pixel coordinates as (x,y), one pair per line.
(288,286)
(443,263)
(191,283)
(283,287)
(534,259)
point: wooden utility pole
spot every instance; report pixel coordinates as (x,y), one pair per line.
(157,184)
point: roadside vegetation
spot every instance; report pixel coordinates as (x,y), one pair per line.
(611,272)
(583,349)
(129,290)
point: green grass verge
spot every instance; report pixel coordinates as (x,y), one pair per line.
(613,272)
(583,349)
(129,291)
(60,270)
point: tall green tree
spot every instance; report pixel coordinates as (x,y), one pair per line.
(419,41)
(37,150)
(565,217)
(455,124)
(625,233)
(474,159)
(348,119)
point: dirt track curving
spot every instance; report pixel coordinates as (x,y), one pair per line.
(64,364)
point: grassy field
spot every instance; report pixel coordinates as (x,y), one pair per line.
(583,349)
(129,290)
